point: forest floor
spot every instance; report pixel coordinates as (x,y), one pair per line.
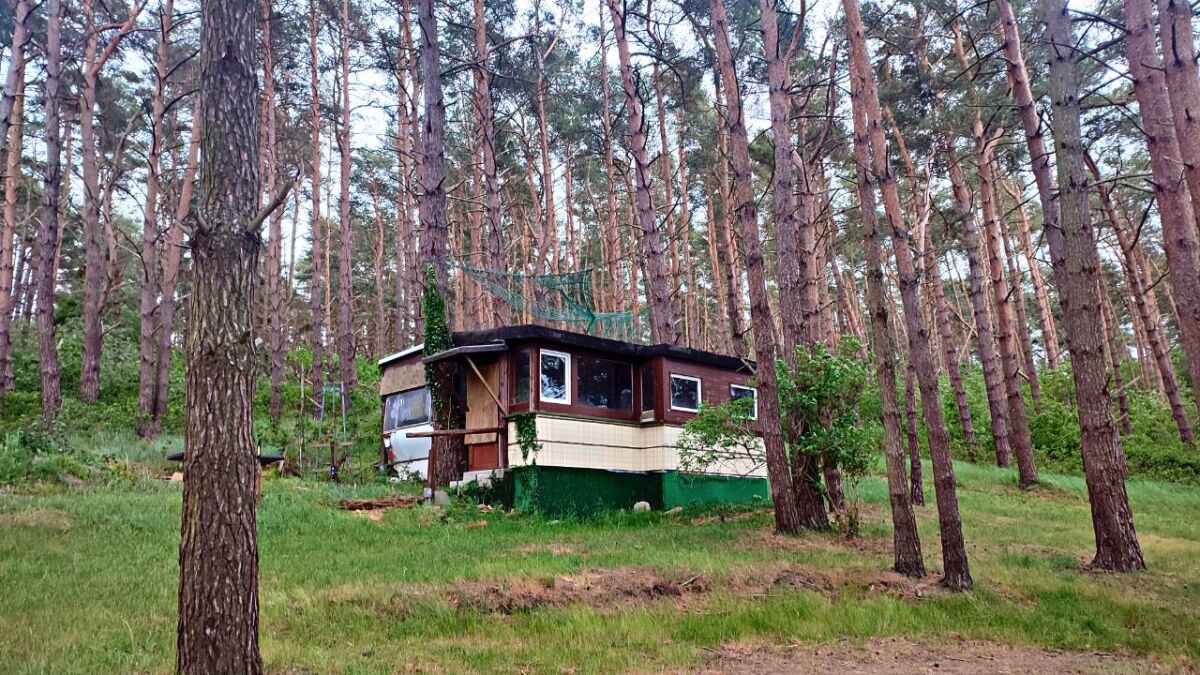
(89,576)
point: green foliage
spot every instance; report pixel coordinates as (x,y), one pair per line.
(527,435)
(437,340)
(821,395)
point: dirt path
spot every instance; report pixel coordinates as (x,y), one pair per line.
(905,657)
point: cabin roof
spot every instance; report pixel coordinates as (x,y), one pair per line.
(536,333)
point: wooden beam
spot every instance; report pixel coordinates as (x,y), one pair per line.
(452,432)
(501,406)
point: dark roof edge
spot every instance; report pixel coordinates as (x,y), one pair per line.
(583,341)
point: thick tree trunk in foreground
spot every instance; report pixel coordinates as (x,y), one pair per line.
(797,297)
(787,516)
(47,239)
(1077,277)
(906,542)
(956,575)
(663,320)
(1180,238)
(218,603)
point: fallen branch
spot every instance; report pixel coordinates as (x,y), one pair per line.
(375,504)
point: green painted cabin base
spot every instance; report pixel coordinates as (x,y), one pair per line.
(566,491)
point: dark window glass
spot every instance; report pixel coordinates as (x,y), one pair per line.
(647,388)
(521,362)
(737,391)
(685,393)
(555,369)
(605,384)
(406,409)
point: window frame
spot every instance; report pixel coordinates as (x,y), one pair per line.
(614,361)
(746,387)
(568,376)
(428,407)
(699,392)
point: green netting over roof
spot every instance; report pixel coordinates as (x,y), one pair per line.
(552,298)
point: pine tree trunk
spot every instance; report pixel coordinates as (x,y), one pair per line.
(485,125)
(14,80)
(864,95)
(93,234)
(993,378)
(15,135)
(172,253)
(664,326)
(1180,238)
(1183,91)
(147,425)
(316,284)
(218,603)
(276,337)
(1139,280)
(1077,276)
(1043,175)
(1115,351)
(906,542)
(949,347)
(1016,288)
(797,296)
(48,235)
(917,488)
(612,234)
(1010,359)
(787,516)
(346,332)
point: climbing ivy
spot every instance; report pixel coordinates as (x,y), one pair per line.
(527,437)
(437,339)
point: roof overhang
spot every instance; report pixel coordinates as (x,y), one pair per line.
(400,355)
(467,350)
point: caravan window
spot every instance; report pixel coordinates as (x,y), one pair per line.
(406,409)
(737,391)
(685,393)
(605,384)
(555,376)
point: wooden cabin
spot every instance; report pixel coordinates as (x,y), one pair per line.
(607,414)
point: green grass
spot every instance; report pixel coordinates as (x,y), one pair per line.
(89,578)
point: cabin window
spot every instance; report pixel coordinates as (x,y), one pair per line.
(737,391)
(647,389)
(406,409)
(685,393)
(555,377)
(521,378)
(605,384)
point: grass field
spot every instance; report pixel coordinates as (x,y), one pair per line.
(89,579)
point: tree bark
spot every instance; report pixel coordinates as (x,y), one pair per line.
(1179,234)
(485,126)
(14,80)
(906,542)
(664,324)
(993,379)
(1018,424)
(1077,276)
(95,246)
(1138,279)
(787,515)
(316,284)
(13,145)
(1183,91)
(172,254)
(47,243)
(794,258)
(148,425)
(956,575)
(346,332)
(218,603)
